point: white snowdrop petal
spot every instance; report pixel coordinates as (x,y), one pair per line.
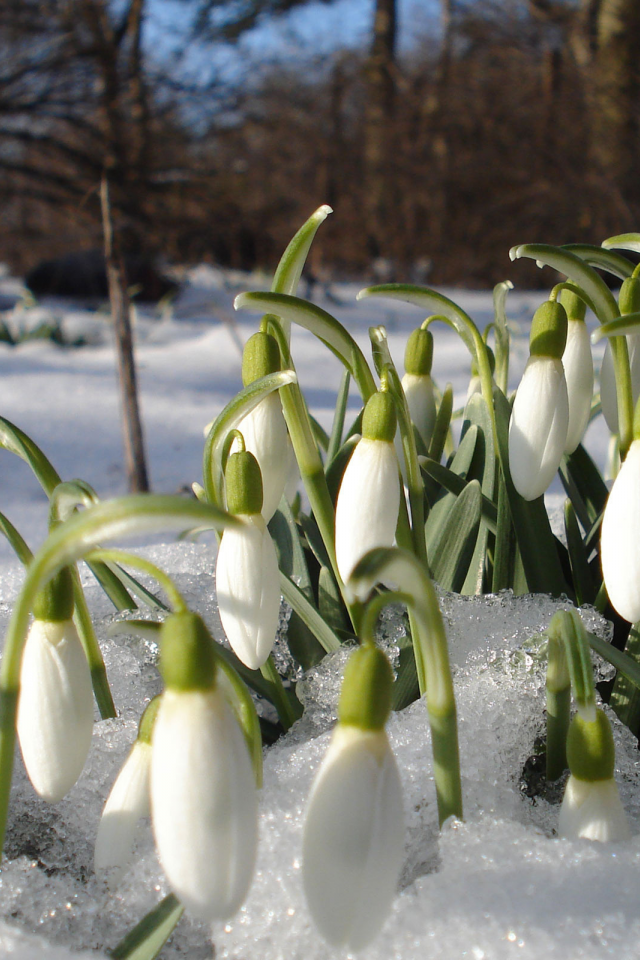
(248,590)
(55,708)
(421,402)
(608,393)
(538,426)
(620,543)
(204,802)
(265,436)
(353,838)
(593,811)
(368,503)
(578,370)
(126,804)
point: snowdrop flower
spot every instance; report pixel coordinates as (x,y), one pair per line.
(247,575)
(620,543)
(203,793)
(369,495)
(540,415)
(418,385)
(264,429)
(591,808)
(55,708)
(578,369)
(354,831)
(127,803)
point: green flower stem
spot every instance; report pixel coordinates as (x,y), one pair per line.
(87,635)
(501,373)
(432,662)
(558,707)
(229,419)
(123,557)
(415,486)
(568,630)
(280,700)
(311,468)
(67,543)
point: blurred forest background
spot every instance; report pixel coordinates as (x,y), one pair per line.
(503,121)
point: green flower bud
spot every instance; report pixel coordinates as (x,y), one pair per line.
(365,697)
(590,750)
(187,653)
(574,305)
(261,356)
(418,355)
(379,418)
(243,483)
(147,720)
(55,602)
(629,299)
(548,331)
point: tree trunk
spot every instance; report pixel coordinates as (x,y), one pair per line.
(380,109)
(616,95)
(120,306)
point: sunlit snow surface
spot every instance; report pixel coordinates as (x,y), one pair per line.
(498,886)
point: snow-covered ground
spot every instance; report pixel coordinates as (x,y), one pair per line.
(499,885)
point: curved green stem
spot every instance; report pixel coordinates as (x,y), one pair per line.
(432,662)
(124,557)
(311,467)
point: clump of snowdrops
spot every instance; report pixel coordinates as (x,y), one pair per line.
(392,508)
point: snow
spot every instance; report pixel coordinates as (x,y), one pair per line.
(498,885)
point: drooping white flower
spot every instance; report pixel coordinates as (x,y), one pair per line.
(538,426)
(608,394)
(204,804)
(419,391)
(354,829)
(203,792)
(128,802)
(353,837)
(593,811)
(578,370)
(620,542)
(591,808)
(55,708)
(264,429)
(265,436)
(248,590)
(369,495)
(540,414)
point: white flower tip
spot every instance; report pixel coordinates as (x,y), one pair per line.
(363,294)
(206,431)
(592,810)
(323,212)
(514,253)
